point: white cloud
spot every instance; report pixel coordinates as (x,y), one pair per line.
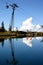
(37,28)
(27,25)
(40,30)
(14,29)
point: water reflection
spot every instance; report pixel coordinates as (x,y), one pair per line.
(28,41)
(41,40)
(2,48)
(13,62)
(13,50)
(2,42)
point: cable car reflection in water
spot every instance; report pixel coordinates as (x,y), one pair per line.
(28,41)
(13,62)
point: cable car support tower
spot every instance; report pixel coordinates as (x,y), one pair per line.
(13,6)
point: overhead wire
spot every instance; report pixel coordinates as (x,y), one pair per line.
(29,13)
(7,2)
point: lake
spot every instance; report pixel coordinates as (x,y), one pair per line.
(21,51)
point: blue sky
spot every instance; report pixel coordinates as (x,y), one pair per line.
(27,8)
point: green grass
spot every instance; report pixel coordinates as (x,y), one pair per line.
(16,34)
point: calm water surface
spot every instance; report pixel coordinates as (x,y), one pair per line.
(21,51)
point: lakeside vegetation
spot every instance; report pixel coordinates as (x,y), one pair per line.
(19,34)
(14,34)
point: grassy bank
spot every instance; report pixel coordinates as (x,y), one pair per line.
(19,34)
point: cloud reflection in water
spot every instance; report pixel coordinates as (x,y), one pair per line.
(28,41)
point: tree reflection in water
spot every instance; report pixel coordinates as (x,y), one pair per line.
(2,42)
(13,62)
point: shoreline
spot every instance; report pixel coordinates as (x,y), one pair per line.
(19,34)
